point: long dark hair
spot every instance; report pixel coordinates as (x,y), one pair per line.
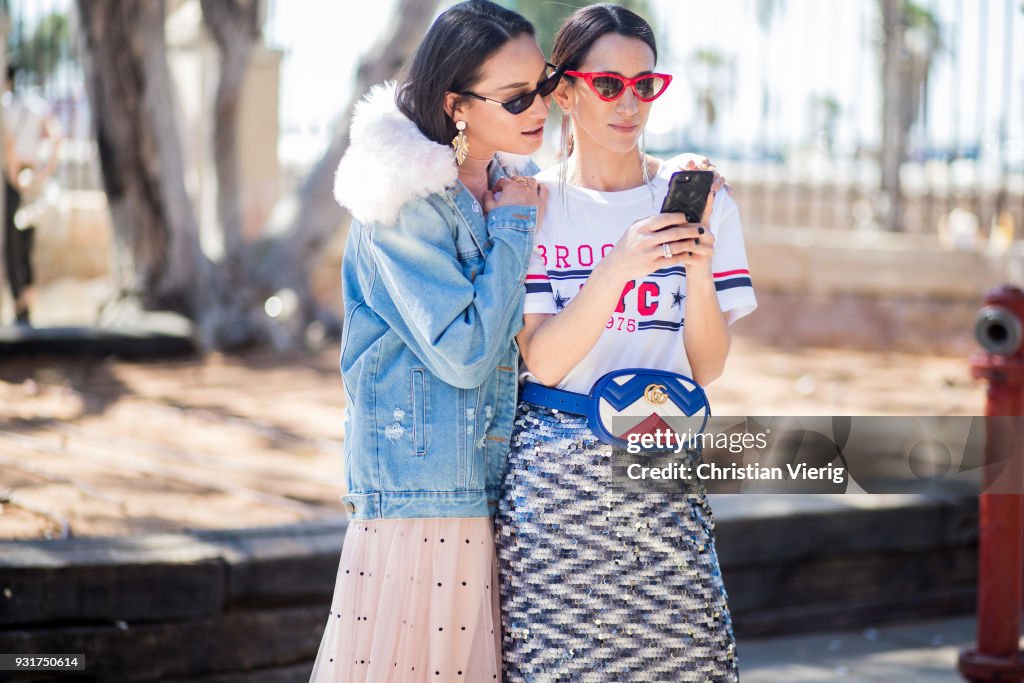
(575,37)
(582,28)
(457,44)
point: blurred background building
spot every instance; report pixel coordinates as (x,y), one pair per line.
(876,148)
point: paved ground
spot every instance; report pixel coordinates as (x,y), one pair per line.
(112,447)
(117,448)
(758,377)
(122,448)
(919,652)
(763,379)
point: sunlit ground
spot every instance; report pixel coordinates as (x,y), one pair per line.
(111,447)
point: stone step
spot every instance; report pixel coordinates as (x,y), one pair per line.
(139,342)
(794,563)
(152,608)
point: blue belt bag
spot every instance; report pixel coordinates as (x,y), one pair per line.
(631,401)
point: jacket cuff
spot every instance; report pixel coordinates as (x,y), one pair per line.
(522,218)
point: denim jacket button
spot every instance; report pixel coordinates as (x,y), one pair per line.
(350,506)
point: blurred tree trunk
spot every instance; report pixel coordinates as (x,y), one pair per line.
(5,29)
(911,39)
(130,95)
(894,134)
(235,26)
(160,261)
(301,225)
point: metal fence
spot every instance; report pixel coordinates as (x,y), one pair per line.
(788,97)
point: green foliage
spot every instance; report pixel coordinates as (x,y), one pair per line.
(920,17)
(710,58)
(922,26)
(829,105)
(40,53)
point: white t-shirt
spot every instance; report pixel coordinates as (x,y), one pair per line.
(646,329)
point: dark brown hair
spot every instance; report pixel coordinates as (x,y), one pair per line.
(457,44)
(573,42)
(582,28)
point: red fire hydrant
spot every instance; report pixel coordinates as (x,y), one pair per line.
(1000,331)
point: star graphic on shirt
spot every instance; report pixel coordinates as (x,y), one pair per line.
(560,301)
(677,298)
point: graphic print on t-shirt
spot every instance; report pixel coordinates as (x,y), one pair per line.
(646,327)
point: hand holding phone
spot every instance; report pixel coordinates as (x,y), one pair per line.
(688,194)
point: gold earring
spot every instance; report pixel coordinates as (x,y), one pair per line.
(460,143)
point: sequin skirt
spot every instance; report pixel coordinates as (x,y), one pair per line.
(599,583)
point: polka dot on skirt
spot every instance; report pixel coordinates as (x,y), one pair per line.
(413,604)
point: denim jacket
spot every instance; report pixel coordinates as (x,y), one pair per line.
(433,294)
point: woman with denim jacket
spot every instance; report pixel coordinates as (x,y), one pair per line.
(432,280)
(600,581)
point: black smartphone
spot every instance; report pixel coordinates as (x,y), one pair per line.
(688,194)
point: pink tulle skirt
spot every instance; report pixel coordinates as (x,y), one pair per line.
(415,600)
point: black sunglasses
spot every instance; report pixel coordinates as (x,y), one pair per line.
(519,104)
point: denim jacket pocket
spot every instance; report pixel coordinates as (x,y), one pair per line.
(420,410)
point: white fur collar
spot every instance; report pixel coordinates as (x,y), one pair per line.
(389,161)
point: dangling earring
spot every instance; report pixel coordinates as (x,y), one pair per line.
(643,163)
(565,139)
(643,157)
(565,150)
(460,143)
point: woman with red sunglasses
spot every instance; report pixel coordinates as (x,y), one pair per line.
(599,582)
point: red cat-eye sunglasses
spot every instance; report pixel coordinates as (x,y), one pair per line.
(609,86)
